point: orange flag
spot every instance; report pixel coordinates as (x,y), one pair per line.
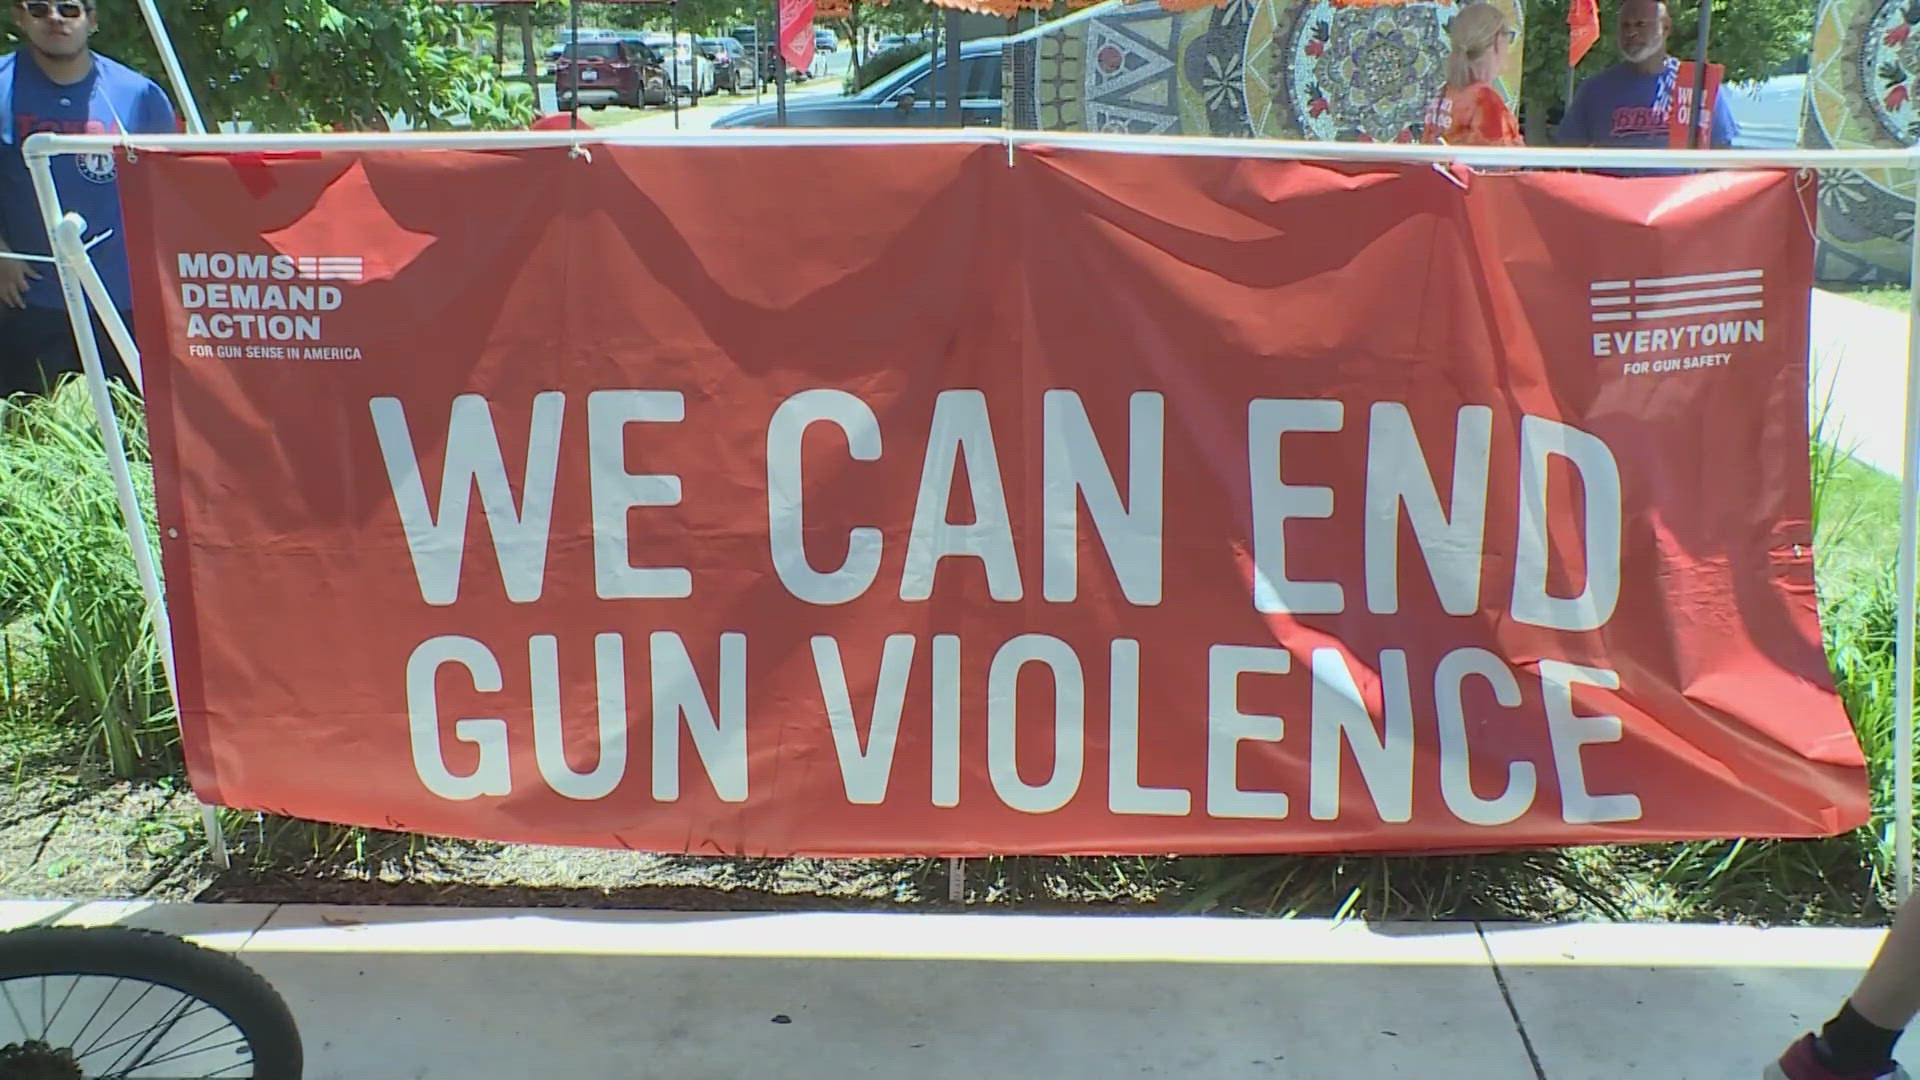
(1583,26)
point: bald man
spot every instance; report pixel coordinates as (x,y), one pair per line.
(1627,104)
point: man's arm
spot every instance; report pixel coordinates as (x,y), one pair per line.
(1574,130)
(1725,128)
(15,274)
(156,112)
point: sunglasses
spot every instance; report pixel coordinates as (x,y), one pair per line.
(67,9)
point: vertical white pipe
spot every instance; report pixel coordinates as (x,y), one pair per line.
(182,93)
(96,289)
(1909,527)
(65,232)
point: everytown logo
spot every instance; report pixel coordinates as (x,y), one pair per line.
(1677,322)
(266,307)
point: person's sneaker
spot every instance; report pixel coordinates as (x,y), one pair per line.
(1800,1062)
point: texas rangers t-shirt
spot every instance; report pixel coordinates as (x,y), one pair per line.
(111,98)
(1624,106)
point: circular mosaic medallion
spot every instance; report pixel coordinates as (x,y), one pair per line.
(1321,69)
(1889,61)
(1215,70)
(1858,88)
(1890,64)
(1365,73)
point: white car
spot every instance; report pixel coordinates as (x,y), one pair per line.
(1767,113)
(691,72)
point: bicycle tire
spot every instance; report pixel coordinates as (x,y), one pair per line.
(215,978)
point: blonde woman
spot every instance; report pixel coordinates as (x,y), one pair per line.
(1468,110)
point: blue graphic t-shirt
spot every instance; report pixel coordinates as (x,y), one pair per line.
(112,98)
(1624,106)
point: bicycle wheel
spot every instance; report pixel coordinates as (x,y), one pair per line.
(111,1003)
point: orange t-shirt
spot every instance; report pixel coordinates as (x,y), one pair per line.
(1472,116)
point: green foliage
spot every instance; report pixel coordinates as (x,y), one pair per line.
(900,17)
(67,572)
(1751,41)
(296,65)
(885,64)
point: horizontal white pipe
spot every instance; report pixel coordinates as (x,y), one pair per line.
(48,145)
(1482,156)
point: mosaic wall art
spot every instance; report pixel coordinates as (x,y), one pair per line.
(1861,92)
(1277,69)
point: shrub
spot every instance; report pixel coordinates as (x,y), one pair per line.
(67,570)
(884,64)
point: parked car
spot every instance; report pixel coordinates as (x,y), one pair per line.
(586,34)
(692,70)
(1768,112)
(768,55)
(901,99)
(691,74)
(824,41)
(734,69)
(602,73)
(749,39)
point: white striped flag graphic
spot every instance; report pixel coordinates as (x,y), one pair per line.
(329,267)
(1659,298)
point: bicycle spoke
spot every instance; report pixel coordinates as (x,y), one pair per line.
(71,987)
(230,1074)
(102,1048)
(186,1049)
(163,1025)
(162,1030)
(15,1010)
(178,1055)
(116,1020)
(97,1010)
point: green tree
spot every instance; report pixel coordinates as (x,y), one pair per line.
(1751,41)
(294,65)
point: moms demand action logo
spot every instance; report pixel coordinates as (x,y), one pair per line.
(263,306)
(1679,323)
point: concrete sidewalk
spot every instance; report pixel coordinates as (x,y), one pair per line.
(1859,364)
(430,993)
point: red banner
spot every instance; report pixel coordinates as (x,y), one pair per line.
(796,33)
(1100,503)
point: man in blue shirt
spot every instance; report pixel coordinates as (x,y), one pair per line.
(1628,104)
(57,83)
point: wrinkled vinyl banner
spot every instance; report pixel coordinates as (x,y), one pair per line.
(881,499)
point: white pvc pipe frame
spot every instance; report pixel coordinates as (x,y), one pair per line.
(40,149)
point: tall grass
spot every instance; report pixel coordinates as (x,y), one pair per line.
(67,571)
